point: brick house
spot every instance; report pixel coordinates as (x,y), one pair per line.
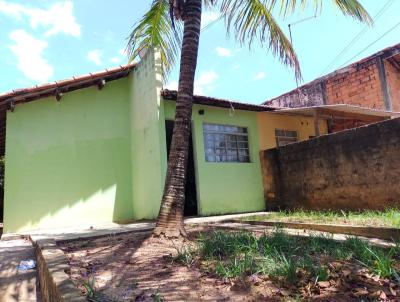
(372,82)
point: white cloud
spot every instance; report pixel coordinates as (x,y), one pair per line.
(11,9)
(223,52)
(207,17)
(205,82)
(115,60)
(259,75)
(29,53)
(94,56)
(59,18)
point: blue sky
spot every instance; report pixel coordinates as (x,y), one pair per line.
(42,41)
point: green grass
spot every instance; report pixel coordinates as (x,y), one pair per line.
(386,218)
(240,254)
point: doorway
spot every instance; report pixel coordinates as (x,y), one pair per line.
(190,208)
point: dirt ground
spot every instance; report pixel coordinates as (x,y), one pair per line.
(133,267)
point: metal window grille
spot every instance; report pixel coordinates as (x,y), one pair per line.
(224,143)
(285,137)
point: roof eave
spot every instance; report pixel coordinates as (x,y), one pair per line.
(172,95)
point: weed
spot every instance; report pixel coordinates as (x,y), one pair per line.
(389,217)
(395,251)
(239,254)
(238,266)
(322,273)
(185,255)
(382,263)
(92,294)
(157,297)
(286,268)
(221,244)
(89,286)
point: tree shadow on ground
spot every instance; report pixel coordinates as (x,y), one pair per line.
(16,285)
(137,267)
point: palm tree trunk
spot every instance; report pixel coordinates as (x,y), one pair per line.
(170,217)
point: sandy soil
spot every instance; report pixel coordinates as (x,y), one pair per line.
(135,267)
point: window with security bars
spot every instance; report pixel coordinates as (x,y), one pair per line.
(226,143)
(285,137)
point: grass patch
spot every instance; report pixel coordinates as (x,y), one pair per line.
(240,254)
(385,218)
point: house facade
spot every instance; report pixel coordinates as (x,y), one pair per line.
(93,149)
(373,82)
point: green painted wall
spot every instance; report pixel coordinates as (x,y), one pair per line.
(225,187)
(67,163)
(100,156)
(148,155)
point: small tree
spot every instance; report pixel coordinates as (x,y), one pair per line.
(161,27)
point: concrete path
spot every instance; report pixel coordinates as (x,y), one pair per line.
(212,219)
(17,286)
(89,231)
(224,221)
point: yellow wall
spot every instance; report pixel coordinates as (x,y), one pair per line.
(268,122)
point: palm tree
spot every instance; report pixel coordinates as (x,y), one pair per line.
(249,20)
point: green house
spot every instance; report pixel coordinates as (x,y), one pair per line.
(93,149)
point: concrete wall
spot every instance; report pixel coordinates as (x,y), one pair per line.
(308,95)
(225,187)
(353,169)
(269,121)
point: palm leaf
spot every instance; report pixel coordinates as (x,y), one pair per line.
(155,30)
(354,9)
(351,8)
(251,20)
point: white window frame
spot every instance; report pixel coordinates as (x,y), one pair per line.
(224,157)
(283,139)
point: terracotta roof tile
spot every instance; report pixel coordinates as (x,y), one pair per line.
(217,102)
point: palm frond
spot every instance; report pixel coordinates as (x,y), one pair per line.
(352,8)
(155,30)
(209,3)
(252,19)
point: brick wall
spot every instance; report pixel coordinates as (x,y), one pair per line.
(52,264)
(372,82)
(357,85)
(350,170)
(393,80)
